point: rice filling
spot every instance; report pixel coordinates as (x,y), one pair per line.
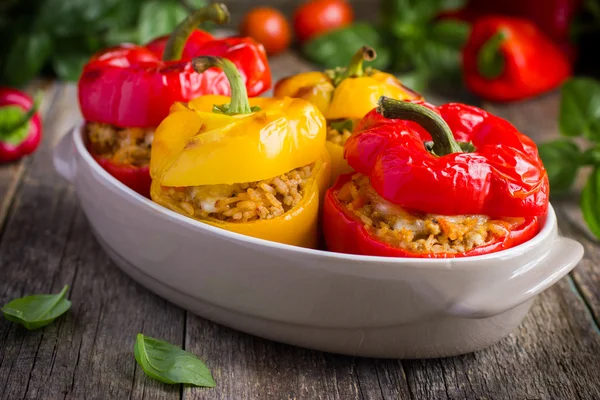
(419,232)
(243,202)
(121,145)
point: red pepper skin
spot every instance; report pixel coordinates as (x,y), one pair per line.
(136,178)
(345,233)
(553,17)
(533,63)
(504,177)
(131,86)
(10,152)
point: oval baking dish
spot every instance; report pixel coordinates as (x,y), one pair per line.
(355,305)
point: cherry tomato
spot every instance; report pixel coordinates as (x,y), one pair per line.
(269,27)
(319,16)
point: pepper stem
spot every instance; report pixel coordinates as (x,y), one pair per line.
(490,60)
(355,68)
(443,139)
(5,130)
(239,96)
(216,12)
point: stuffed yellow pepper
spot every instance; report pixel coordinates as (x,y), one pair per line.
(344,96)
(252,166)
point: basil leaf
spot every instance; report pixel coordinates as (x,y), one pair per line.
(27,55)
(562,159)
(399,12)
(335,48)
(170,364)
(591,157)
(74,17)
(159,18)
(590,202)
(580,108)
(38,310)
(10,130)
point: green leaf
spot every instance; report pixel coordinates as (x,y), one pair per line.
(580,108)
(26,57)
(159,18)
(37,310)
(74,17)
(170,364)
(403,16)
(342,125)
(591,157)
(590,202)
(336,48)
(562,159)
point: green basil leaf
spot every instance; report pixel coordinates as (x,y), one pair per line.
(562,159)
(590,202)
(169,364)
(74,17)
(591,157)
(159,18)
(38,310)
(580,108)
(399,15)
(26,57)
(336,48)
(341,125)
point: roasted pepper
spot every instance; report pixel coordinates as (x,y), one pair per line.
(344,96)
(553,17)
(255,167)
(20,125)
(125,92)
(435,182)
(508,59)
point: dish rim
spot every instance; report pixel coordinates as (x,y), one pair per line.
(536,241)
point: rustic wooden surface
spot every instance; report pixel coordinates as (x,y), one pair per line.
(45,242)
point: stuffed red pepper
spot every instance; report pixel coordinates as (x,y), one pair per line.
(126,91)
(435,182)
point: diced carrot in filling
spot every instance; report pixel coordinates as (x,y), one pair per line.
(243,202)
(419,232)
(121,145)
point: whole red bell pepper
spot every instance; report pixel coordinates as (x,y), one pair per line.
(508,59)
(449,160)
(133,86)
(20,125)
(553,17)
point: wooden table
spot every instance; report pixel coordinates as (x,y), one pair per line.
(45,242)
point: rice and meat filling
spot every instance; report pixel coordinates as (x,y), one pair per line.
(121,145)
(338,137)
(243,202)
(419,232)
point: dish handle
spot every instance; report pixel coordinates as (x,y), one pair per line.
(63,157)
(564,255)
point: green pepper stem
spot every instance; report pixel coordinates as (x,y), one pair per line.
(490,60)
(239,96)
(355,68)
(25,118)
(443,139)
(216,12)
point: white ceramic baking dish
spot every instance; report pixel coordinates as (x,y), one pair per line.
(356,305)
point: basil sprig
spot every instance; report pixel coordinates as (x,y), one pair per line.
(38,310)
(169,364)
(579,116)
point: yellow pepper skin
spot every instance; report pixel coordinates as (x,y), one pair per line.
(297,227)
(353,97)
(197,146)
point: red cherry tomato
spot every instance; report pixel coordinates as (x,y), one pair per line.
(319,16)
(268,27)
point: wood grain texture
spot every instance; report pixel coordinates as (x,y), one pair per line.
(47,242)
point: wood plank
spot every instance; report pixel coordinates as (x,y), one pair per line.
(10,174)
(47,243)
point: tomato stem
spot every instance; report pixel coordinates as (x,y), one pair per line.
(443,139)
(216,12)
(490,60)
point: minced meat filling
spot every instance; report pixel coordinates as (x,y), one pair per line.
(121,145)
(338,137)
(243,202)
(420,233)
